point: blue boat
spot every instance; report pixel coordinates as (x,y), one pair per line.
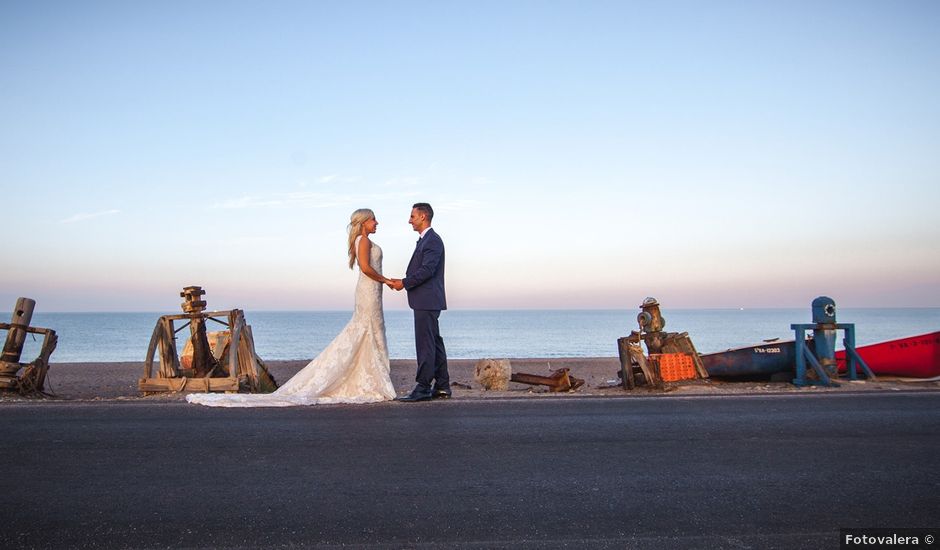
(772,360)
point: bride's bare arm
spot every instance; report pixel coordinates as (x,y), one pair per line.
(362,256)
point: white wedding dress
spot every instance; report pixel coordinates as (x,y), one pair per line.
(353,368)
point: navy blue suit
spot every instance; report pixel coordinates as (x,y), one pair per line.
(424,281)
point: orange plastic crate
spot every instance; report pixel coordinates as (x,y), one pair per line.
(675,366)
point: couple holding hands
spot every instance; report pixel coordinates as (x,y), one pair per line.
(354,367)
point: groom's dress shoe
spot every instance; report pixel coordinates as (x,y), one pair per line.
(441,394)
(416,396)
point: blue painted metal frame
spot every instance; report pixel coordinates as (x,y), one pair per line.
(803,354)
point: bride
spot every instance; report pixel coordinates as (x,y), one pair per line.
(354,367)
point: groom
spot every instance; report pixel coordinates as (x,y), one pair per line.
(424,281)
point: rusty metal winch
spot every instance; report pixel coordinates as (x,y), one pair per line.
(672,356)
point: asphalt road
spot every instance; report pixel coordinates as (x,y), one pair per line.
(728,472)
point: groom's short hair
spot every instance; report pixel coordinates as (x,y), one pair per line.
(425,208)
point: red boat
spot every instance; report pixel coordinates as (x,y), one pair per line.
(914,356)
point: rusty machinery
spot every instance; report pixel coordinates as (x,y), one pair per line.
(558,381)
(821,356)
(639,368)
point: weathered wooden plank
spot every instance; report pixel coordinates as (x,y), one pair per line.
(151,349)
(16,336)
(155,385)
(244,359)
(238,323)
(34,330)
(35,378)
(626,364)
(255,366)
(203,361)
(169,359)
(650,372)
(187,316)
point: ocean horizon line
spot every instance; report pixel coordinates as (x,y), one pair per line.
(514,310)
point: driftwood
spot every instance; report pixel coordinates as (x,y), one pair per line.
(33,379)
(16,334)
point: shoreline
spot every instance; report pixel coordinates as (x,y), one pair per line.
(117,381)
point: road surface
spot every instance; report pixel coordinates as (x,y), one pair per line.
(776,471)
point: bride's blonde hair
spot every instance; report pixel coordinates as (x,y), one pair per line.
(356,220)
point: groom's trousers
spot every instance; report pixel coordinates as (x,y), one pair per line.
(429,346)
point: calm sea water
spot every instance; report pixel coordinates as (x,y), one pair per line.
(473,334)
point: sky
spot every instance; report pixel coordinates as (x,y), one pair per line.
(578,155)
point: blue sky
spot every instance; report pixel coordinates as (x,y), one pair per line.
(578,154)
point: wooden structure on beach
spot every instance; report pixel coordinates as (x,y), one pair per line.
(230,365)
(672,356)
(33,379)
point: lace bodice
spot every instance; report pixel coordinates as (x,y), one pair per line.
(375,257)
(368,291)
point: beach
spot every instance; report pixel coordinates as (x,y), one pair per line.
(117,381)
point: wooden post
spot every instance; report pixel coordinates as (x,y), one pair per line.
(33,380)
(265,382)
(650,372)
(48,346)
(151,349)
(204,364)
(626,364)
(246,359)
(169,360)
(233,352)
(22,315)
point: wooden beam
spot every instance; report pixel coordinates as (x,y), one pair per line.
(187,385)
(180,316)
(234,354)
(626,364)
(34,330)
(152,348)
(22,315)
(650,372)
(169,362)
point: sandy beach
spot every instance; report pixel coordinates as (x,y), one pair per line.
(118,381)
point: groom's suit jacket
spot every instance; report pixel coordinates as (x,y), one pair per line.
(424,278)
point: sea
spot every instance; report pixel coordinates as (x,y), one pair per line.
(473,334)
